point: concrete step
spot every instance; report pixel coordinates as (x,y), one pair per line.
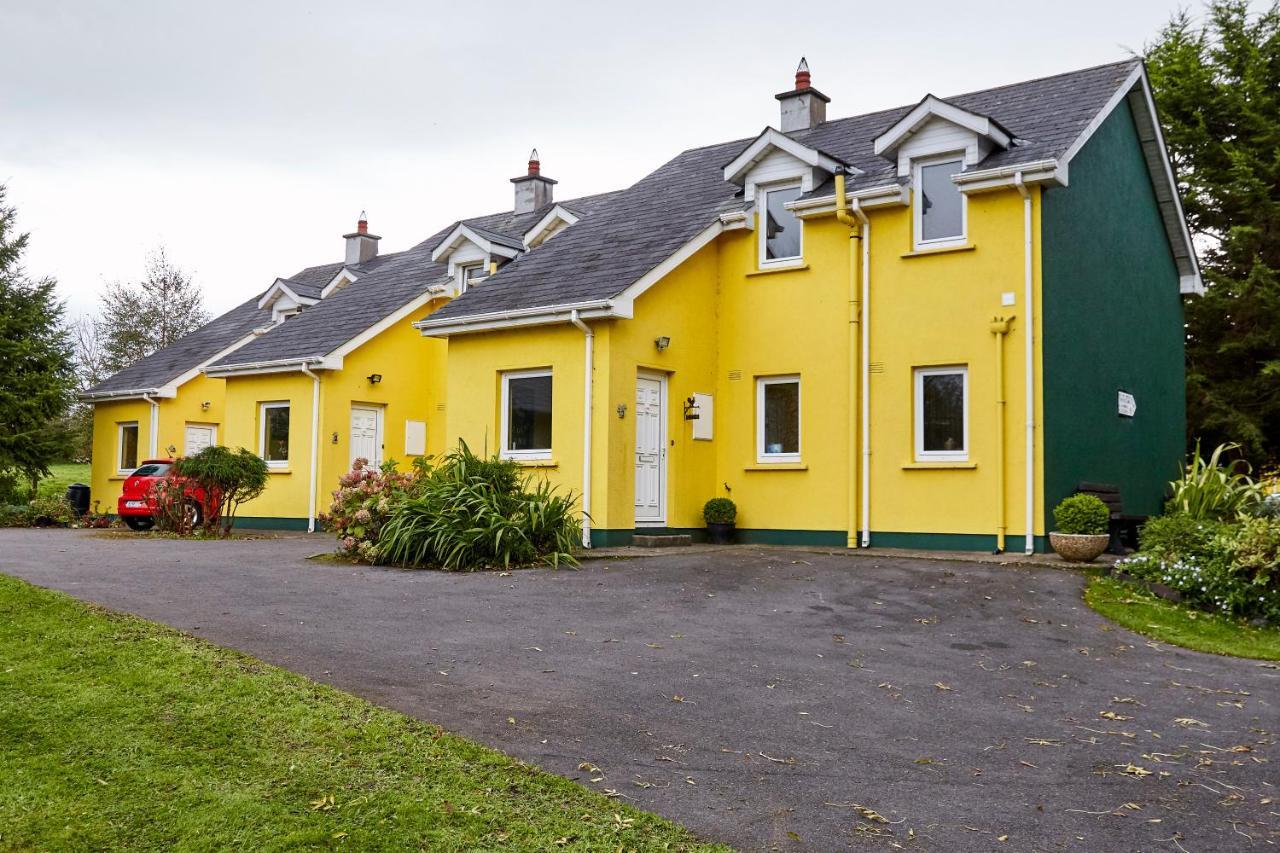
(670,540)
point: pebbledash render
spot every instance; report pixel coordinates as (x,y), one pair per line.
(919,327)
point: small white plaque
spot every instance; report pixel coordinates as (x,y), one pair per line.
(1008,298)
(1127,406)
(704,406)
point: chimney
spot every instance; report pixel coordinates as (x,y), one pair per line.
(532,190)
(361,245)
(804,107)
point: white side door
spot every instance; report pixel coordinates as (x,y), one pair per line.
(366,434)
(198,437)
(651,452)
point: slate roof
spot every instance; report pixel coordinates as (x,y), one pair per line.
(637,229)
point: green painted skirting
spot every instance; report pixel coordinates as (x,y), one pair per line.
(953,541)
(829,539)
(267,523)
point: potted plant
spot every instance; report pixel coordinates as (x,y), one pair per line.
(1082,523)
(720,514)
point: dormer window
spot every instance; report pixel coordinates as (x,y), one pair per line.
(781,231)
(473,273)
(939,206)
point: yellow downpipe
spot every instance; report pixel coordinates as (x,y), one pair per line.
(855,317)
(1000,328)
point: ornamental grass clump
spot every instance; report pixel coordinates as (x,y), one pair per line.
(471,513)
(1214,488)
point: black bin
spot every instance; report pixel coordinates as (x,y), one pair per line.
(78,497)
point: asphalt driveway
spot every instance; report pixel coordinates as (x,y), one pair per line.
(771,699)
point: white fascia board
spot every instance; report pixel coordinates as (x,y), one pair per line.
(628,297)
(127,394)
(273,293)
(932,107)
(736,171)
(351,278)
(555,214)
(382,325)
(886,195)
(462,232)
(1189,280)
(540,316)
(279,365)
(1048,171)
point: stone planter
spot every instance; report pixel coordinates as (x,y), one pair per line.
(1079,547)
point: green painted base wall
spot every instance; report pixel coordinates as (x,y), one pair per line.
(265,523)
(1014,543)
(827,539)
(1112,322)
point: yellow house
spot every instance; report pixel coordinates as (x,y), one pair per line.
(919,327)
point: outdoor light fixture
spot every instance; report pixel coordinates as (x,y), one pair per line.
(622,410)
(335,437)
(662,343)
(172,450)
(375,378)
(205,405)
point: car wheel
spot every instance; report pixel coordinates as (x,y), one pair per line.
(139,522)
(195,514)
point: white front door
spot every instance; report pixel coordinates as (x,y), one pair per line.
(199,436)
(651,451)
(366,434)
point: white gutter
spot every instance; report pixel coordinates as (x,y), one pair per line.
(543,315)
(885,194)
(1028,336)
(127,394)
(154,430)
(315,447)
(588,368)
(1037,171)
(866,372)
(278,365)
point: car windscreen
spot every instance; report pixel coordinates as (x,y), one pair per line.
(153,469)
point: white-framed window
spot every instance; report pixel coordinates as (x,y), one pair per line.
(781,231)
(942,414)
(127,443)
(273,437)
(940,210)
(472,273)
(526,414)
(778,419)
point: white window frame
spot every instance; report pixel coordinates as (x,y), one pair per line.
(504,415)
(917,203)
(762,205)
(262,432)
(463,281)
(763,457)
(923,455)
(137,445)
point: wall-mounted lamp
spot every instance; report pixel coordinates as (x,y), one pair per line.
(662,343)
(622,410)
(171,450)
(375,378)
(334,438)
(205,405)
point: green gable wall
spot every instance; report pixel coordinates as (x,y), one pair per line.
(1112,321)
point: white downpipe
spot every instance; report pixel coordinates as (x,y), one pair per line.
(153,429)
(589,367)
(866,373)
(315,447)
(1028,336)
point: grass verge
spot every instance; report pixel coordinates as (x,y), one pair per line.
(1144,613)
(61,476)
(119,733)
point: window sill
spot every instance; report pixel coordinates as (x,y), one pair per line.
(534,463)
(940,250)
(777,466)
(271,470)
(796,267)
(939,466)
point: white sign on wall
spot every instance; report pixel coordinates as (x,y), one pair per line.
(705,407)
(415,438)
(1127,405)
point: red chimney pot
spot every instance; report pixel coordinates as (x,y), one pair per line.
(362,226)
(535,165)
(802,74)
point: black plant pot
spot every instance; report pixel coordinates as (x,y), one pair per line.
(720,533)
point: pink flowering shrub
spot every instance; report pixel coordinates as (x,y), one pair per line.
(363,502)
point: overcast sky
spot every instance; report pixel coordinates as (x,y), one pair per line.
(247,137)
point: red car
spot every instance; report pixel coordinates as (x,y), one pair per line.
(137,504)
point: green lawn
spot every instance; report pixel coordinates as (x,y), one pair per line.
(119,733)
(61,476)
(1140,611)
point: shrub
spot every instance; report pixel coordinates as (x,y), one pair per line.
(173,514)
(719,511)
(363,503)
(15,515)
(1254,550)
(228,477)
(472,513)
(1178,535)
(1214,489)
(1082,514)
(50,511)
